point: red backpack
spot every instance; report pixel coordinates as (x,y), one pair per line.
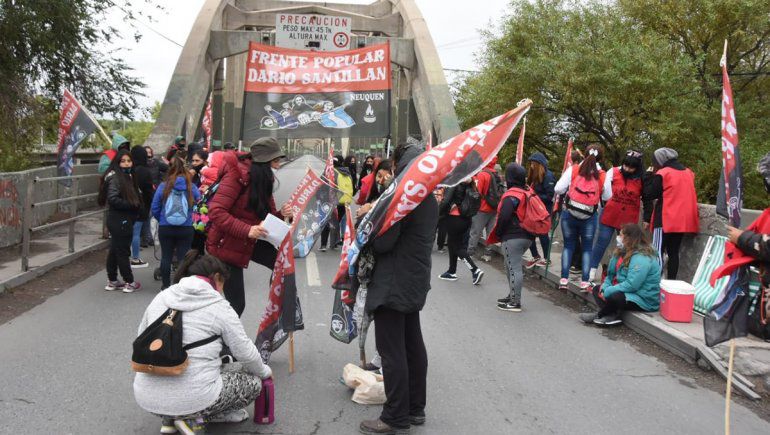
(534,217)
(584,195)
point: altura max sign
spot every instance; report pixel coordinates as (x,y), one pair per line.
(312,32)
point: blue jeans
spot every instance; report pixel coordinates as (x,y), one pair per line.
(545,243)
(572,229)
(173,240)
(603,239)
(135,239)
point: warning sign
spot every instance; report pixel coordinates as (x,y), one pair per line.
(312,32)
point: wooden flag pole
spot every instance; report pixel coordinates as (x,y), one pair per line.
(729,386)
(291,352)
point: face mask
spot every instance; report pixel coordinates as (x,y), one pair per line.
(619,241)
(126,170)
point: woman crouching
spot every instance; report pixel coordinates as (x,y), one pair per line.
(633,279)
(203,393)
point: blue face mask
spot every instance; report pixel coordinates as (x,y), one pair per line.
(126,170)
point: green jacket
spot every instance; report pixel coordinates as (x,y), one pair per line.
(640,281)
(107,156)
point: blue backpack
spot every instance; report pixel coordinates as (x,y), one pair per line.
(176,208)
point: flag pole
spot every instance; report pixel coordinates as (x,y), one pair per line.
(729,385)
(291,352)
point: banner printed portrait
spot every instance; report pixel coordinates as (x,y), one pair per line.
(304,94)
(75,124)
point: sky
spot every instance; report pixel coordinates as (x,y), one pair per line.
(455,33)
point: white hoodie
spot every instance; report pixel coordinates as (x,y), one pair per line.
(205,313)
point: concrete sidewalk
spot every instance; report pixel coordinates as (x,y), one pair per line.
(49,250)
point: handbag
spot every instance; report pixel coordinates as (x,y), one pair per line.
(158,350)
(343,326)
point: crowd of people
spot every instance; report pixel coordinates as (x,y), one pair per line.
(647,211)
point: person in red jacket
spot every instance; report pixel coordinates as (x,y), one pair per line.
(485,219)
(242,201)
(671,206)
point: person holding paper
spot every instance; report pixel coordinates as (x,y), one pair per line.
(237,212)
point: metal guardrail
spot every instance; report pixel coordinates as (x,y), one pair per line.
(26,225)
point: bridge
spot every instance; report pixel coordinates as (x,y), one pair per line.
(213,63)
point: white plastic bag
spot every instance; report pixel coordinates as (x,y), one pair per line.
(369,387)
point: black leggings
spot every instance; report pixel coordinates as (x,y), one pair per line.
(457,228)
(121,234)
(333,224)
(670,245)
(441,233)
(615,304)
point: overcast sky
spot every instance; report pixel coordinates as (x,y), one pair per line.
(452,23)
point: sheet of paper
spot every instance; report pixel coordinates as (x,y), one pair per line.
(276,230)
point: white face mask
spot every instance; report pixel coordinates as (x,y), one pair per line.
(619,241)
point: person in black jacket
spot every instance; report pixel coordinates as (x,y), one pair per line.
(143,176)
(458,231)
(396,294)
(119,191)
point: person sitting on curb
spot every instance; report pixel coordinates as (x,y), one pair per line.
(633,279)
(203,393)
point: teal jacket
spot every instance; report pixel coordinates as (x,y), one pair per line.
(640,281)
(106,159)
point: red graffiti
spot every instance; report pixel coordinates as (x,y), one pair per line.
(9,211)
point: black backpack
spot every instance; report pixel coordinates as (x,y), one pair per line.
(159,350)
(496,189)
(471,202)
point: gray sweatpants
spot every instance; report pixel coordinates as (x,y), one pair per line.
(514,249)
(482,221)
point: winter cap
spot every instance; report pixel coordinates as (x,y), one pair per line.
(515,175)
(662,155)
(178,141)
(266,149)
(539,158)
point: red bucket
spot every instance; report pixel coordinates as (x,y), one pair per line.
(676,300)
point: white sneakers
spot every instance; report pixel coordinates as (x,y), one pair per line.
(236,416)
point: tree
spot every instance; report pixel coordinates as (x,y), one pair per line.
(617,74)
(51,45)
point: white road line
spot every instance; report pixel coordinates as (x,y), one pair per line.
(311,264)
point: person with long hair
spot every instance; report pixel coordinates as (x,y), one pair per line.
(671,206)
(366,168)
(198,159)
(632,282)
(383,176)
(584,188)
(119,192)
(243,200)
(542,181)
(352,165)
(458,224)
(204,393)
(625,185)
(143,176)
(366,184)
(172,207)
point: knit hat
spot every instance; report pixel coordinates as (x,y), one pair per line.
(662,155)
(178,141)
(515,175)
(265,149)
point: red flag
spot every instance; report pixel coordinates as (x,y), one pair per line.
(329,169)
(206,124)
(520,144)
(350,232)
(567,156)
(730,195)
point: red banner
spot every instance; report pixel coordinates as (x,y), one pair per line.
(75,125)
(730,195)
(567,156)
(329,169)
(520,142)
(341,277)
(271,69)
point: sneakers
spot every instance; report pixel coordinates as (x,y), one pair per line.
(114,285)
(532,263)
(486,258)
(132,287)
(563,284)
(193,426)
(446,276)
(442,251)
(236,416)
(542,262)
(137,263)
(477,275)
(322,249)
(585,286)
(588,317)
(504,300)
(608,320)
(509,306)
(167,426)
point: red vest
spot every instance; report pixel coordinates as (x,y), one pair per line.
(625,204)
(514,192)
(680,202)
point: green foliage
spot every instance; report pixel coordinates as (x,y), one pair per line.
(52,45)
(631,74)
(135,131)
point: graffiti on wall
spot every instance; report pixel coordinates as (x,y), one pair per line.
(10,216)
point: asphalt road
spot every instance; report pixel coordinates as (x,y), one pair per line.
(65,365)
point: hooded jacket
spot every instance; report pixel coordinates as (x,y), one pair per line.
(507,226)
(143,176)
(159,204)
(402,270)
(118,141)
(205,313)
(230,216)
(544,190)
(483,181)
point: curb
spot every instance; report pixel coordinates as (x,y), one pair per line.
(36,272)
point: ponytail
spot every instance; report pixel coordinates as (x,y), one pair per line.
(195,263)
(588,169)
